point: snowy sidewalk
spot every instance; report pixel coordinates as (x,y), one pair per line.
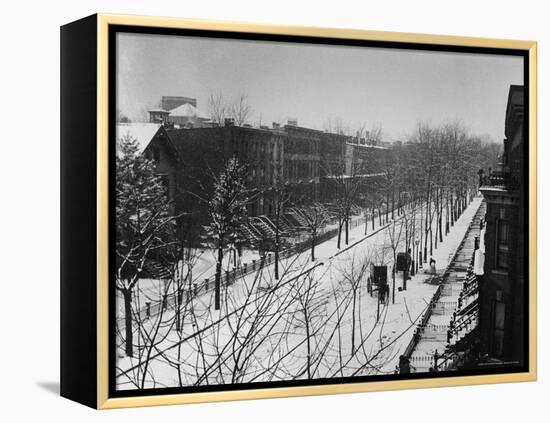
(434,333)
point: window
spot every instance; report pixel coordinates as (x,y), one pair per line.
(154,154)
(165,182)
(502,245)
(502,212)
(498,338)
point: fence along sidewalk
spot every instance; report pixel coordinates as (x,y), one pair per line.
(171,300)
(431,339)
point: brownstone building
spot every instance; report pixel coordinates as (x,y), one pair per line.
(502,320)
(365,160)
(205,150)
(305,160)
(302,161)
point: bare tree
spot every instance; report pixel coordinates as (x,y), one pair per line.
(240,110)
(316,218)
(354,275)
(217,108)
(280,197)
(395,234)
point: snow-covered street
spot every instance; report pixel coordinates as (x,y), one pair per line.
(318,320)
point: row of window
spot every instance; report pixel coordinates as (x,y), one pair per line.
(301,169)
(301,146)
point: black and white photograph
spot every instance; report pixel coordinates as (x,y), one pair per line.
(293,211)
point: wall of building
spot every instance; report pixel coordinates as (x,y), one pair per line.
(160,151)
(502,288)
(304,159)
(171,102)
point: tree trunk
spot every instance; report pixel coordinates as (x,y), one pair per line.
(277,241)
(447,214)
(425,246)
(392,204)
(441,224)
(179,299)
(353,323)
(127,295)
(393,280)
(306,317)
(426,229)
(452,210)
(340,223)
(406,234)
(421,233)
(313,247)
(436,234)
(387,205)
(276,262)
(347,230)
(218,277)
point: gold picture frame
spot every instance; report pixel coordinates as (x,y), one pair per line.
(102,400)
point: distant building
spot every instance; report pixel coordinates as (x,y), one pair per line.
(292,121)
(502,319)
(333,154)
(187,115)
(205,150)
(302,160)
(179,112)
(169,102)
(343,156)
(188,152)
(365,160)
(158,115)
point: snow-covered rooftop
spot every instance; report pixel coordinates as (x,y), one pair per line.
(142,132)
(362,175)
(188,110)
(379,147)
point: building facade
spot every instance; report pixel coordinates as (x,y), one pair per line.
(304,160)
(177,111)
(502,319)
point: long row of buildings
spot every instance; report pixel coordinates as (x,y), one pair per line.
(188,153)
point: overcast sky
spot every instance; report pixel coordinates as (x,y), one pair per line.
(318,83)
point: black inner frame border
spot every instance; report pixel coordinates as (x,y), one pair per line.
(113,30)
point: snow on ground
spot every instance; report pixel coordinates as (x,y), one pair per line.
(262,333)
(204,267)
(435,341)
